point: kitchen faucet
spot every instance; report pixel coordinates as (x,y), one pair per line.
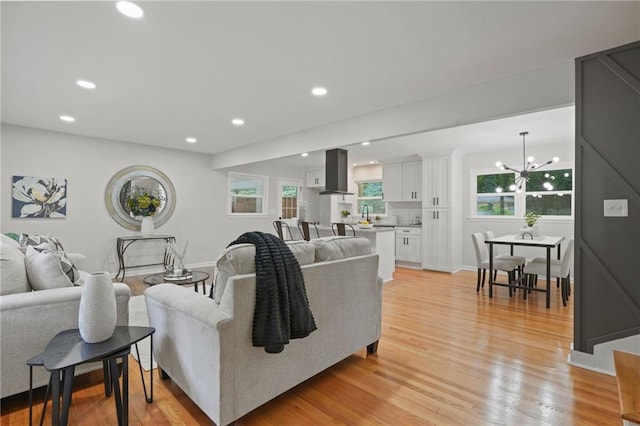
(367,208)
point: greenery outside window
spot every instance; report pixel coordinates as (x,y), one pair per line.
(494,198)
(247,194)
(549,192)
(370,194)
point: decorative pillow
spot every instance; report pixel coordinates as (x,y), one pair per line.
(13,236)
(44,270)
(334,248)
(49,243)
(36,240)
(235,260)
(304,251)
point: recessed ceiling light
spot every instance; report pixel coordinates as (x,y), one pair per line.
(191,140)
(237,121)
(372,162)
(355,164)
(67,118)
(319,91)
(305,154)
(365,143)
(130,9)
(86,84)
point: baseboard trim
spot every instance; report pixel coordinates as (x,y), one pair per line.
(601,361)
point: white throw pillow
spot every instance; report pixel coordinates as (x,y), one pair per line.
(334,248)
(13,276)
(50,244)
(44,270)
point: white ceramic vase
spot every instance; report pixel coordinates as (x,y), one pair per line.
(98,313)
(147,227)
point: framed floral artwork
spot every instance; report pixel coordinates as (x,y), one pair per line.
(39,197)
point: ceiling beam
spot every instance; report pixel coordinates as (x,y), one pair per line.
(533,91)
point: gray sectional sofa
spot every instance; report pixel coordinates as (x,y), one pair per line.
(29,319)
(204,345)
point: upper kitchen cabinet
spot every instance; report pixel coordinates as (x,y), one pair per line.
(437,181)
(402,181)
(315,178)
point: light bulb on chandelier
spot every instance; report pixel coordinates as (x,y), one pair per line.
(528,166)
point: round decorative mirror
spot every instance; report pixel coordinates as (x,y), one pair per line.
(153,190)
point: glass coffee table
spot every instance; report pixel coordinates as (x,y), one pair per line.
(195,277)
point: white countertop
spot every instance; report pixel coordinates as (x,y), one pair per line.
(374,229)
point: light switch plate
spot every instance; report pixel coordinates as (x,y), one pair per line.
(616,208)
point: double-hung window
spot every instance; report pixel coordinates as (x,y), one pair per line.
(370,194)
(548,192)
(247,194)
(495,195)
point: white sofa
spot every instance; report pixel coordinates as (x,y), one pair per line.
(205,347)
(29,319)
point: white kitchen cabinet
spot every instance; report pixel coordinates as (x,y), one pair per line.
(402,181)
(408,244)
(315,179)
(438,241)
(441,211)
(437,177)
(412,181)
(392,182)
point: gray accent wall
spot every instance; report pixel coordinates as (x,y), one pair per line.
(607,250)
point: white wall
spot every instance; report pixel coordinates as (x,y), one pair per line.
(502,226)
(89,163)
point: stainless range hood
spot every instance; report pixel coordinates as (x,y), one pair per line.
(336,170)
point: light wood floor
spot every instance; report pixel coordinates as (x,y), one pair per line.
(448,356)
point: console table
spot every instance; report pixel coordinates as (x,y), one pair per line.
(123,243)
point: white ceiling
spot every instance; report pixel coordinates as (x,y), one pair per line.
(188,68)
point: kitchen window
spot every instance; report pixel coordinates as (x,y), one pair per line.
(549,192)
(370,194)
(247,194)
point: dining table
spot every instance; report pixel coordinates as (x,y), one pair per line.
(547,242)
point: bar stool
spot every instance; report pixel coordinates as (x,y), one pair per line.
(304,229)
(341,229)
(280,227)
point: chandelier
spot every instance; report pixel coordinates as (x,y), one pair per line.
(528,166)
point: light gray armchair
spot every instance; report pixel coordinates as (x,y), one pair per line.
(29,319)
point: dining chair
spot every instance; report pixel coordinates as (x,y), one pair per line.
(304,229)
(489,235)
(341,229)
(510,266)
(281,226)
(558,269)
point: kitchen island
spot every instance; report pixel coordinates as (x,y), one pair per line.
(381,241)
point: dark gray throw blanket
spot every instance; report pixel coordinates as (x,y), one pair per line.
(282,309)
